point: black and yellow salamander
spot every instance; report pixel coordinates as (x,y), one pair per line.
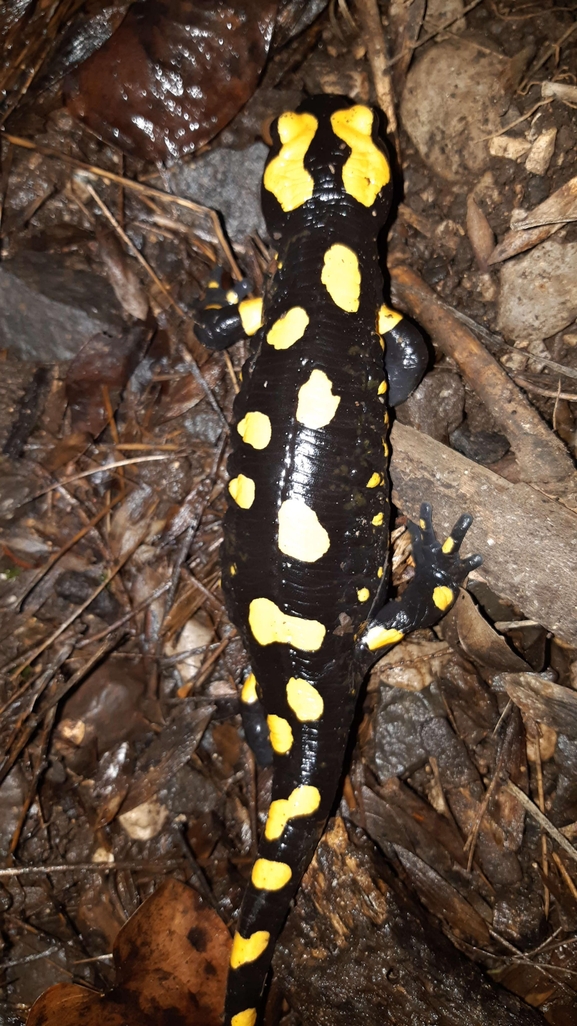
(306,534)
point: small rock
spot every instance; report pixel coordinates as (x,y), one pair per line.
(451,104)
(145,821)
(212,179)
(436,406)
(542,150)
(484,447)
(48,310)
(510,146)
(538,295)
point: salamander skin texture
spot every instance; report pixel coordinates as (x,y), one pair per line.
(306,539)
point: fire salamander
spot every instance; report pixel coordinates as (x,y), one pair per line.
(306,540)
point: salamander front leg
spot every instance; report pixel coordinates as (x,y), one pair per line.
(254,721)
(406,355)
(439,572)
(226,316)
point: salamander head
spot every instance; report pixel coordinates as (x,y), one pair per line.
(326,154)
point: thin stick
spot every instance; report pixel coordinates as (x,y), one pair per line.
(541,819)
(145,190)
(97,470)
(94,867)
(127,616)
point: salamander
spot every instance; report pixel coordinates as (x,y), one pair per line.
(306,532)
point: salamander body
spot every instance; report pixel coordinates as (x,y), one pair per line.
(306,534)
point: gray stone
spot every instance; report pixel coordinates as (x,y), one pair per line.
(451,104)
(228,181)
(538,296)
(48,310)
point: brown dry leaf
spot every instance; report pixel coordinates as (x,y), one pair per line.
(480,641)
(171,959)
(443,900)
(413,665)
(560,207)
(480,233)
(515,242)
(183,393)
(544,701)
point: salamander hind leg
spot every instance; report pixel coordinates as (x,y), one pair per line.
(226,316)
(254,721)
(406,354)
(439,572)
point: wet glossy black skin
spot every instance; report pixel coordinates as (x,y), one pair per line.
(329,469)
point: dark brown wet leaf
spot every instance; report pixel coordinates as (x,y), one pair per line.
(543,700)
(97,376)
(173,74)
(171,959)
(479,640)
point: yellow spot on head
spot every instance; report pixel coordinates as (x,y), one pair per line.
(374,480)
(443,597)
(250,311)
(213,284)
(281,735)
(285,175)
(255,429)
(341,277)
(288,329)
(248,692)
(367,170)
(269,624)
(242,490)
(244,1018)
(300,533)
(304,700)
(248,949)
(448,545)
(378,519)
(363,594)
(232,569)
(380,571)
(378,637)
(270,876)
(317,405)
(382,388)
(387,319)
(303,801)
(231,296)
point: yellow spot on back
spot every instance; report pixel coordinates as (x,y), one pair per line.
(374,480)
(250,311)
(387,319)
(382,388)
(300,533)
(232,569)
(248,949)
(288,329)
(341,277)
(248,691)
(270,876)
(304,700)
(255,429)
(448,545)
(385,448)
(303,801)
(286,176)
(363,594)
(317,405)
(281,735)
(378,519)
(367,170)
(443,597)
(380,571)
(213,284)
(378,637)
(269,624)
(244,1018)
(231,296)
(242,490)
